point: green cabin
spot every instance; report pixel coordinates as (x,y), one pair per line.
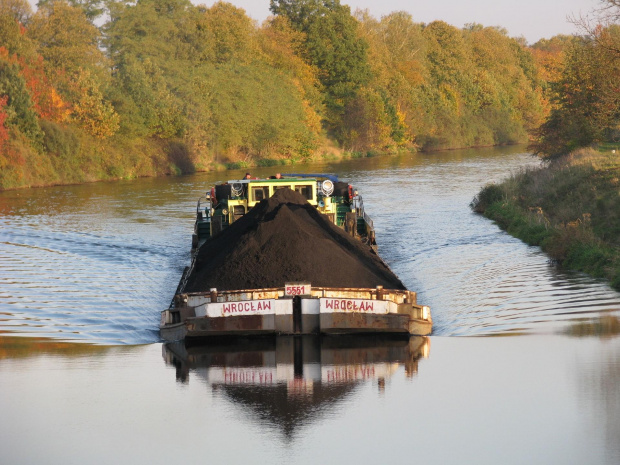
(226,202)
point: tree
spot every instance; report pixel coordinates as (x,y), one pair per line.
(158,48)
(401,46)
(19,10)
(19,109)
(597,23)
(506,79)
(91,8)
(281,47)
(549,55)
(90,110)
(399,70)
(333,45)
(13,16)
(587,99)
(170,33)
(67,41)
(232,31)
(4,133)
(255,111)
(145,101)
(367,125)
(46,101)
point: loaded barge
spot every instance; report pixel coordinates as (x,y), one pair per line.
(288,255)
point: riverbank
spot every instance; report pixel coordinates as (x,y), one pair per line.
(142,159)
(76,158)
(570,208)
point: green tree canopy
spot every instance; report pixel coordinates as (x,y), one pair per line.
(333,45)
(68,42)
(19,107)
(91,8)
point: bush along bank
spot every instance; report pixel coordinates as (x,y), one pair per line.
(569,207)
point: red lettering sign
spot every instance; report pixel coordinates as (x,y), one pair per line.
(297,289)
(349,305)
(243,307)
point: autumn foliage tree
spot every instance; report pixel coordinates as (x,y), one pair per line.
(444,87)
(586,102)
(168,86)
(4,133)
(332,44)
(585,98)
(90,110)
(68,44)
(19,107)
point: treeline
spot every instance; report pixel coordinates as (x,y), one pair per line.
(164,86)
(583,75)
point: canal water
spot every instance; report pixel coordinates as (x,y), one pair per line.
(523,365)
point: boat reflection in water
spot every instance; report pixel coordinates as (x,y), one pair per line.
(287,379)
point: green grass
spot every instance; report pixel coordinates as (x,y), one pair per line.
(267,162)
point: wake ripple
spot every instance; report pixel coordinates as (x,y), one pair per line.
(85,287)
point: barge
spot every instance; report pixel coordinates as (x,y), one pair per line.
(289,255)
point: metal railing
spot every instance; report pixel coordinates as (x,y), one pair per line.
(359,206)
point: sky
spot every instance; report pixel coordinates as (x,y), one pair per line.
(532,19)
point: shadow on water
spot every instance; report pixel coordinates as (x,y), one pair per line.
(290,381)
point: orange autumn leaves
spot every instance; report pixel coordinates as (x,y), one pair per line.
(46,101)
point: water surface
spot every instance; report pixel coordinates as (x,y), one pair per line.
(509,400)
(97,263)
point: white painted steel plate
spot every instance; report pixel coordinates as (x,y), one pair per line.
(339,305)
(246,307)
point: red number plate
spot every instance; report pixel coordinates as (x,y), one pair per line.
(297,289)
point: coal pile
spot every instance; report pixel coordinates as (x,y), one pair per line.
(285,239)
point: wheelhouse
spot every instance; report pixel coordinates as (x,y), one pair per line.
(227,202)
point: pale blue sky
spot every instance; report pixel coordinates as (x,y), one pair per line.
(533,19)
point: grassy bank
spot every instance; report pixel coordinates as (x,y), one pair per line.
(570,208)
(72,157)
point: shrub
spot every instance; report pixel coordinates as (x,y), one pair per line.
(489,194)
(59,140)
